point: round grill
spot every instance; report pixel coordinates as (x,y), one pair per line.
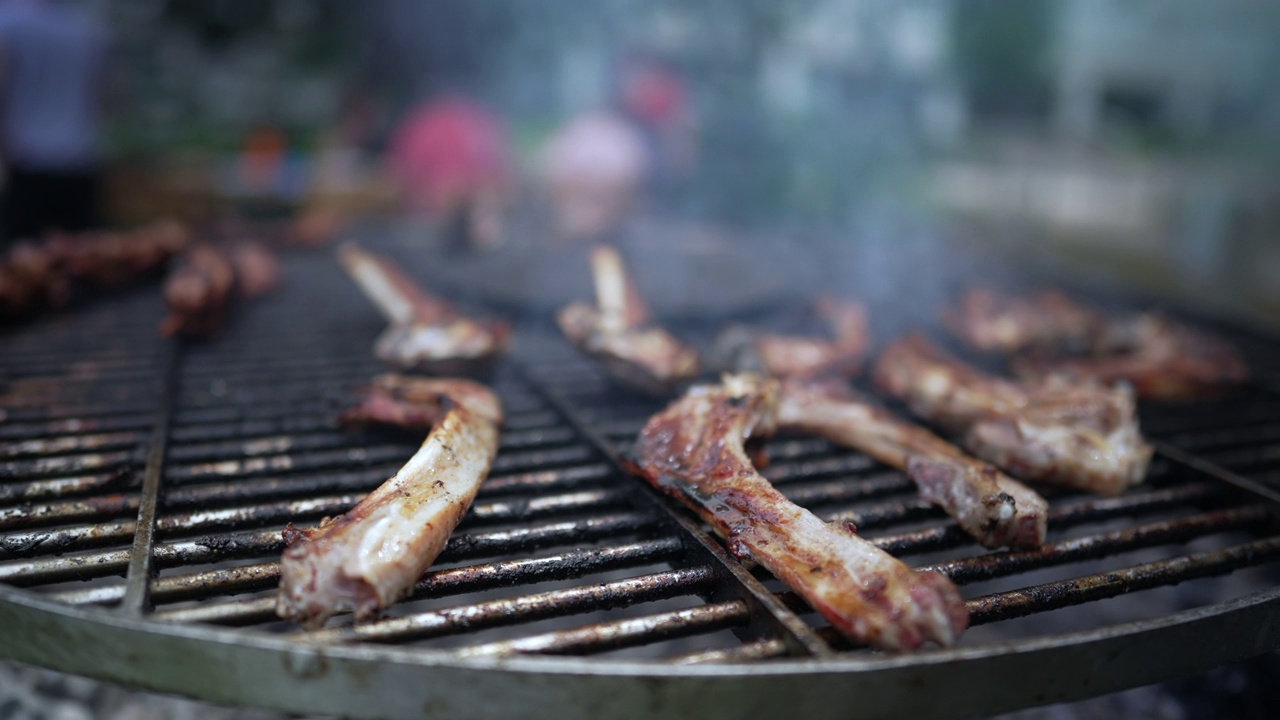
(144,485)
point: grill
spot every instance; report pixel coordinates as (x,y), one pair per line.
(144,484)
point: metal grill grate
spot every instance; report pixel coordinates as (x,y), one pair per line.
(143,488)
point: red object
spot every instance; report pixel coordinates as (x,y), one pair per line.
(448,153)
(655,96)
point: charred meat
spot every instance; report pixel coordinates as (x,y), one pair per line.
(426,333)
(786,356)
(198,293)
(1053,333)
(694,451)
(1167,360)
(995,509)
(370,557)
(618,331)
(1049,321)
(1077,433)
(36,276)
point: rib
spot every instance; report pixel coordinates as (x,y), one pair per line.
(1077,433)
(694,451)
(1167,361)
(426,332)
(370,557)
(619,334)
(993,508)
(742,349)
(198,293)
(1049,321)
(1161,358)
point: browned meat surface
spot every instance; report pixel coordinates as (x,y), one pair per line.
(995,509)
(618,332)
(1161,358)
(36,276)
(694,451)
(114,259)
(1167,361)
(257,268)
(370,557)
(198,293)
(1048,321)
(789,356)
(1077,433)
(426,333)
(407,402)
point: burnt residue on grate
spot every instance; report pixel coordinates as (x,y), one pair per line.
(563,553)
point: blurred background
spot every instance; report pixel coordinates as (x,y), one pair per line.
(877,145)
(1134,137)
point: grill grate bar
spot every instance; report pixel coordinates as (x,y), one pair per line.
(523,609)
(436,583)
(68,487)
(1076,591)
(1259,490)
(213,548)
(1062,515)
(747,652)
(994,565)
(617,634)
(138,577)
(70,444)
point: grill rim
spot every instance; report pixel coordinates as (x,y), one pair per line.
(278,672)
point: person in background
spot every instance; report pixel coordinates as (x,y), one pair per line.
(452,160)
(52,59)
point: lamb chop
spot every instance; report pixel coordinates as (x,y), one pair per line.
(198,293)
(694,451)
(1163,359)
(1166,360)
(1050,321)
(619,334)
(370,557)
(426,333)
(407,402)
(1076,433)
(993,508)
(744,350)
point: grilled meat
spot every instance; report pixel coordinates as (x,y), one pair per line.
(744,350)
(42,275)
(370,557)
(1167,360)
(257,268)
(1076,433)
(993,508)
(1049,321)
(405,401)
(618,332)
(694,451)
(198,293)
(1163,359)
(114,259)
(30,278)
(426,333)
